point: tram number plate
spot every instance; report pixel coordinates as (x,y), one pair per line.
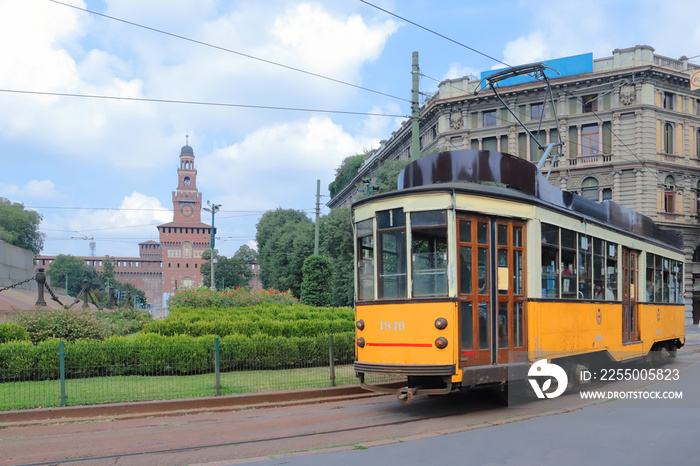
(395,326)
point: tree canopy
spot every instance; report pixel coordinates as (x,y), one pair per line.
(229,272)
(20,227)
(285,239)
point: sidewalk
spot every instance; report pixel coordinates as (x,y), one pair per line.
(692,334)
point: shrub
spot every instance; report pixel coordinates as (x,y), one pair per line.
(68,325)
(12,331)
(124,321)
(316,286)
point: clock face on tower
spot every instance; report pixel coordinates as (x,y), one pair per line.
(186,210)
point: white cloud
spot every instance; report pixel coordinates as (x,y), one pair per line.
(327,44)
(34,189)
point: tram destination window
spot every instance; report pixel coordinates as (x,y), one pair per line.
(391,246)
(429,253)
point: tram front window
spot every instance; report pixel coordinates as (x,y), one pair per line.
(391,239)
(429,253)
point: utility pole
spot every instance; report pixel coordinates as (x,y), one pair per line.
(415,110)
(213,208)
(318,213)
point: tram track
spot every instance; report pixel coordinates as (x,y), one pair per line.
(229,444)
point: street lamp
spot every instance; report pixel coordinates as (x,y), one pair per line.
(213,208)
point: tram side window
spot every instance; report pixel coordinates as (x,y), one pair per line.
(585,247)
(429,253)
(391,239)
(569,283)
(676,282)
(588,265)
(610,271)
(550,261)
(365,260)
(664,279)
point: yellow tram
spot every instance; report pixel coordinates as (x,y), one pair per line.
(477,266)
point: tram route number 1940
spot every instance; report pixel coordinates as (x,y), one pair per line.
(396,326)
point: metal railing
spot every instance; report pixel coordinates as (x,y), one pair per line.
(54,373)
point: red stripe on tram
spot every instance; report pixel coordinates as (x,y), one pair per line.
(403,345)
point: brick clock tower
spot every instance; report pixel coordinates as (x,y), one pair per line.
(183,240)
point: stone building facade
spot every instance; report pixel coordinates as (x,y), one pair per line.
(629,124)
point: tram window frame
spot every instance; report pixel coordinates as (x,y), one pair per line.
(391,224)
(550,260)
(585,264)
(569,269)
(429,267)
(664,279)
(364,232)
(585,261)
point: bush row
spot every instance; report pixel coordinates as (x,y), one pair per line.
(151,354)
(230,297)
(266,320)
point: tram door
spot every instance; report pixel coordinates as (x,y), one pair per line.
(491,289)
(630,314)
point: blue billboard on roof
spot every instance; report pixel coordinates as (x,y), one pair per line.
(566,66)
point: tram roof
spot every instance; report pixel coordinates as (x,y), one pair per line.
(448,171)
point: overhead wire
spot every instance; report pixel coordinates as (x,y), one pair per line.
(191,102)
(224,49)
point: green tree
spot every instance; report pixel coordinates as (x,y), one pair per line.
(336,243)
(316,287)
(285,238)
(76,270)
(387,176)
(232,272)
(346,171)
(20,227)
(108,270)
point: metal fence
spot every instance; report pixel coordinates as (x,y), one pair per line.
(58,374)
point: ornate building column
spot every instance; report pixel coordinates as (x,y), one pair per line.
(617,177)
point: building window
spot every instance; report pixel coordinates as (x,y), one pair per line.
(589,189)
(669,194)
(607,194)
(668,138)
(590,140)
(697,143)
(536,111)
(490,118)
(590,103)
(668,101)
(697,198)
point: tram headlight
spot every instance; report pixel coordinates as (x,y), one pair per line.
(441,343)
(441,323)
(361,342)
(360,324)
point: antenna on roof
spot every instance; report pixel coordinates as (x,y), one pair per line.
(535,70)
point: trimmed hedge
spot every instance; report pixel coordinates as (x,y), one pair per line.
(152,354)
(264,320)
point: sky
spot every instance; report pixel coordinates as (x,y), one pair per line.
(170,71)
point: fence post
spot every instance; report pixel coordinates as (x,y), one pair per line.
(217,375)
(331,359)
(62,364)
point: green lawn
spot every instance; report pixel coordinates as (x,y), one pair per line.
(46,394)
